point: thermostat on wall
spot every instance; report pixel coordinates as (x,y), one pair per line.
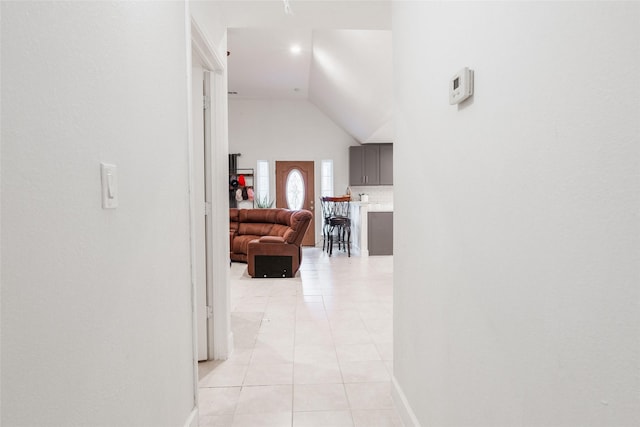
(461,86)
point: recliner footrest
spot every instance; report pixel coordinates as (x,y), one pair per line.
(272,266)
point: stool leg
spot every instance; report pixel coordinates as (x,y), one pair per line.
(327,237)
(324,237)
(331,241)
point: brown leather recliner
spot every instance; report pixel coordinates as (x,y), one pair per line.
(276,232)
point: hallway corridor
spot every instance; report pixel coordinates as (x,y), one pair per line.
(314,350)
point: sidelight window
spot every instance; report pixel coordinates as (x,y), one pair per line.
(262,179)
(326,178)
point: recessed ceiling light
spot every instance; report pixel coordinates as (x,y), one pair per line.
(295,49)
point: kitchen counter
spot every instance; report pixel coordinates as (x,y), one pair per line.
(379,207)
(374,207)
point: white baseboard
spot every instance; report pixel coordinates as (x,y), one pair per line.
(230,344)
(224,353)
(192,419)
(409,419)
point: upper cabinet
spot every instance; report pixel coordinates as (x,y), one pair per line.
(386,164)
(371,164)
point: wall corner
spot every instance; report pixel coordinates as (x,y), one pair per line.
(409,419)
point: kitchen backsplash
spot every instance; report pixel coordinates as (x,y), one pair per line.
(382,194)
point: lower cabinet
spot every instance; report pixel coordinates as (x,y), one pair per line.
(380,233)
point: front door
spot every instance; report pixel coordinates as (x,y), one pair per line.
(295,190)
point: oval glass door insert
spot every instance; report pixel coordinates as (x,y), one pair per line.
(295,190)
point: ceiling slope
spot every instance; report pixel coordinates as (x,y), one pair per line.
(351,80)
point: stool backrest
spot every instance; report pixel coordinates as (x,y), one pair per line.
(333,207)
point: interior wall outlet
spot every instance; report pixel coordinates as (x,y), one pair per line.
(109,174)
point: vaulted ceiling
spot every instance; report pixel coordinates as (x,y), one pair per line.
(342,61)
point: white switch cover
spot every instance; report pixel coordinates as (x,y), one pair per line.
(109,174)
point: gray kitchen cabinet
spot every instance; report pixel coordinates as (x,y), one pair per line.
(371,164)
(364,165)
(386,164)
(356,166)
(380,233)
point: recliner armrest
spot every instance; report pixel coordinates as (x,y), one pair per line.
(271,239)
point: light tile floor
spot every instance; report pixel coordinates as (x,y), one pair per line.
(314,350)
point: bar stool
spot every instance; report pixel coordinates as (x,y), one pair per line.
(326,217)
(337,223)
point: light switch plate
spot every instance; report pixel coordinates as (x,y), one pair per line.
(109,175)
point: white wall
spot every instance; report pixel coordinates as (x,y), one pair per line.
(288,130)
(382,194)
(517,256)
(210,18)
(96,304)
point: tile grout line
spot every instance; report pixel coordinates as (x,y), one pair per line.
(344,387)
(344,294)
(293,367)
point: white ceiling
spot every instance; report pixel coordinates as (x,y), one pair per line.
(351,80)
(344,66)
(261,64)
(335,14)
